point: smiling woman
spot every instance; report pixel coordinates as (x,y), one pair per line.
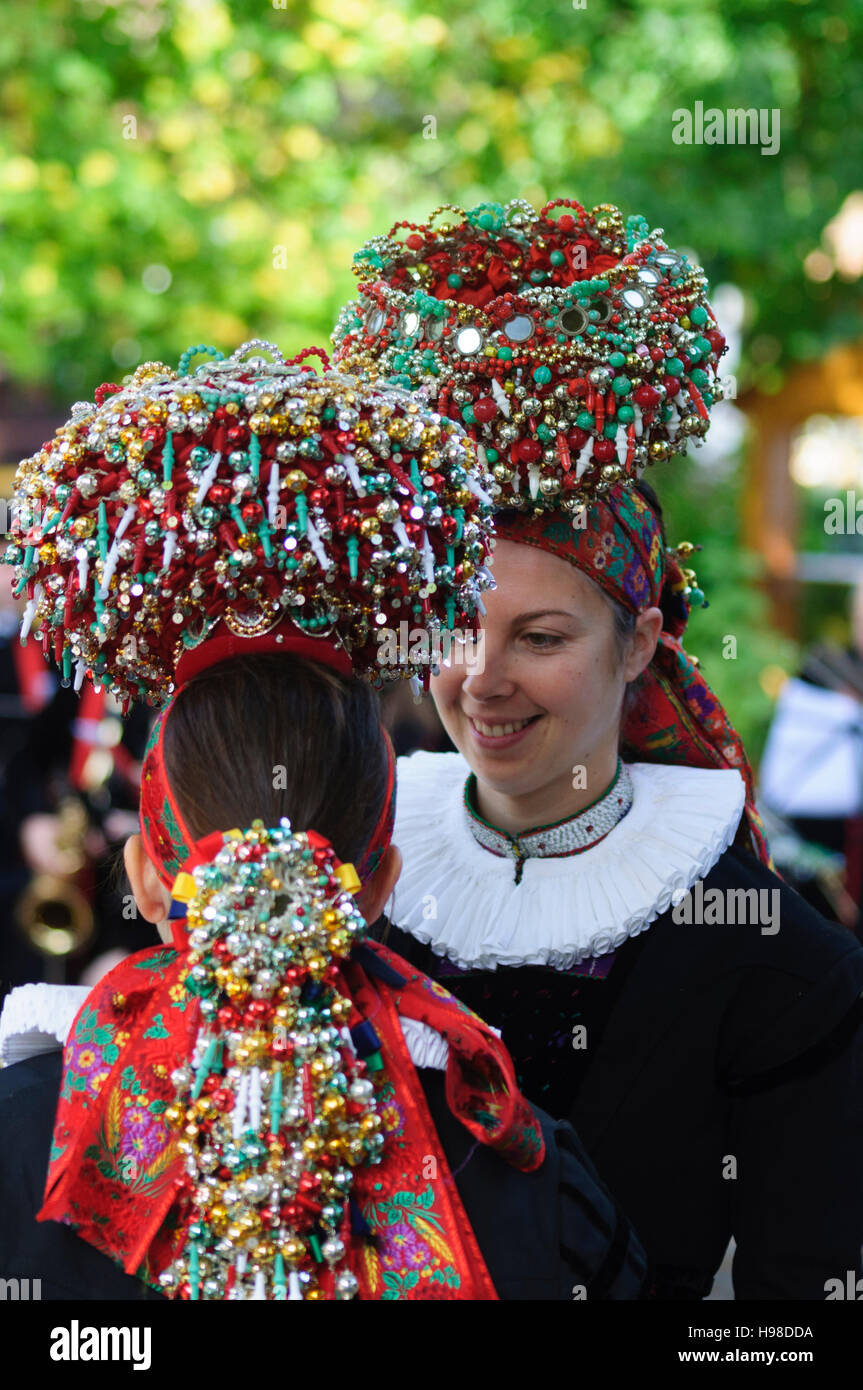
(539,723)
(597,781)
(714,1071)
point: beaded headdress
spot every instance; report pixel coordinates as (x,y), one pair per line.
(217,1140)
(244,493)
(576,349)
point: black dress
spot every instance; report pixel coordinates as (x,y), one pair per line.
(718,1085)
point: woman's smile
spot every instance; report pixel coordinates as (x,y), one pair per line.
(500,733)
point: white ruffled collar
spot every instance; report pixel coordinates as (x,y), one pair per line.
(463,901)
(38,1018)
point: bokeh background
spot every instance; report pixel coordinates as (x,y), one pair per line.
(196,171)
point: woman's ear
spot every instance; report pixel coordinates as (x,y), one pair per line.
(373,896)
(645,636)
(149,892)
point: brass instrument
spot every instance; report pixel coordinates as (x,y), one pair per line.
(54,912)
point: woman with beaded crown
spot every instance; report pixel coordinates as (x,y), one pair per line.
(589,870)
(270,1106)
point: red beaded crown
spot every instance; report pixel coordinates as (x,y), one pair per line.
(574,349)
(247,491)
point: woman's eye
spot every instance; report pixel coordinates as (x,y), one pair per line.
(543,639)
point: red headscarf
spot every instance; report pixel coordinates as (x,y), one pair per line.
(675,716)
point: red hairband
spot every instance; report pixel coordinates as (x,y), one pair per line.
(169,843)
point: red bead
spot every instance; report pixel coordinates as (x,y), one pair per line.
(449,528)
(577,438)
(415,242)
(319,496)
(716,340)
(348,524)
(236,434)
(604,450)
(657,355)
(251,512)
(671,384)
(576,386)
(646,396)
(485,409)
(219,494)
(566,222)
(529,450)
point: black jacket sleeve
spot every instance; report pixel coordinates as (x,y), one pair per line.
(31,1249)
(797,1196)
(790,1060)
(554,1234)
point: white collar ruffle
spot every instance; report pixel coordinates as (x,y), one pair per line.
(38,1018)
(463,901)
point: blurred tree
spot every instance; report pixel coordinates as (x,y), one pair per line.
(174,171)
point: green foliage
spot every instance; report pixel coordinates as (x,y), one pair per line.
(249,148)
(744,674)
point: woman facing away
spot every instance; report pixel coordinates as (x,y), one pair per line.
(588,870)
(270,1106)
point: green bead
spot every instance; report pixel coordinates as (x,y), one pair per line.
(467,415)
(492,455)
(696,597)
(674,366)
(541,375)
(617,359)
(585,420)
(621,386)
(707,397)
(704,346)
(545,432)
(537,276)
(625,413)
(557,258)
(454,281)
(699,378)
(698,315)
(504,353)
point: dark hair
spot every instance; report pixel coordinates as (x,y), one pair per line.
(275,735)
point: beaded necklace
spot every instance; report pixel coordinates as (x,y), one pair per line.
(573,835)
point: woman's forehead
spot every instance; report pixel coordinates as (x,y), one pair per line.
(531,578)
